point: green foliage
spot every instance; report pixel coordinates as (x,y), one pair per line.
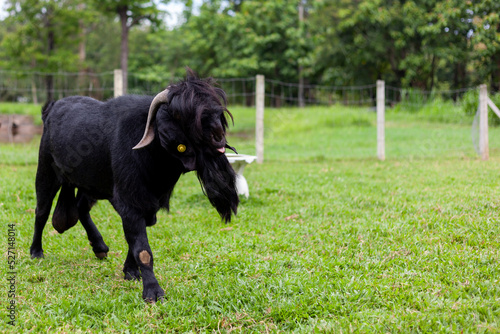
(402,42)
(130,12)
(411,44)
(434,109)
(21,109)
(224,43)
(470,104)
(103,53)
(412,100)
(41,36)
(330,240)
(486,42)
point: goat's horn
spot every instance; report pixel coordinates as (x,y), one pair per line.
(149,133)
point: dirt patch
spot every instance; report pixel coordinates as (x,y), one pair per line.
(18,129)
(244,134)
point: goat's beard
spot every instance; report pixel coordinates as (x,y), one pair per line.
(219,183)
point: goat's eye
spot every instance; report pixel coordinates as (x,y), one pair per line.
(181,148)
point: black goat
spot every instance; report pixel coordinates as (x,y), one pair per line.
(91,145)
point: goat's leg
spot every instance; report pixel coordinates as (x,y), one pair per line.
(84,205)
(46,185)
(131,268)
(137,239)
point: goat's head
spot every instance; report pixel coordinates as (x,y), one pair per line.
(191,125)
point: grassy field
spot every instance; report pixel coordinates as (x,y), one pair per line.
(22,109)
(330,240)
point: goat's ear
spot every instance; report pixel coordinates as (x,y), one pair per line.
(149,133)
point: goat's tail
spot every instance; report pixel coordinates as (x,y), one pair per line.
(66,213)
(46,109)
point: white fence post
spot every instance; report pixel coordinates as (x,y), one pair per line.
(118,82)
(259,125)
(483,122)
(381,119)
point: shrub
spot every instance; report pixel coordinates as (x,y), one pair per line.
(470,104)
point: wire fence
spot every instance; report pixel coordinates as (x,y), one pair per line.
(16,86)
(22,86)
(411,97)
(280,94)
(38,87)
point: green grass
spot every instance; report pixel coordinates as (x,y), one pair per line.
(29,109)
(330,240)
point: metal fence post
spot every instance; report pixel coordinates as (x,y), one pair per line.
(259,125)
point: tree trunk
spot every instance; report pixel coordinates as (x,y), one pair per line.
(82,54)
(81,46)
(49,80)
(495,80)
(394,61)
(300,69)
(33,90)
(458,75)
(302,103)
(433,69)
(122,12)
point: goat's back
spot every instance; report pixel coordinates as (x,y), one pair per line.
(84,136)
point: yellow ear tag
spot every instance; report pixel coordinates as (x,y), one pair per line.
(181,148)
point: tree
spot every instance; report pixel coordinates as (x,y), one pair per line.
(42,36)
(486,39)
(425,44)
(262,37)
(410,43)
(454,19)
(130,13)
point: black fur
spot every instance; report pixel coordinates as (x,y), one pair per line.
(87,145)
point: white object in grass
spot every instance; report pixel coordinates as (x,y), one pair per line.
(238,162)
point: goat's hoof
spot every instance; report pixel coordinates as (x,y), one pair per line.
(132,274)
(37,254)
(153,295)
(101,255)
(100,249)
